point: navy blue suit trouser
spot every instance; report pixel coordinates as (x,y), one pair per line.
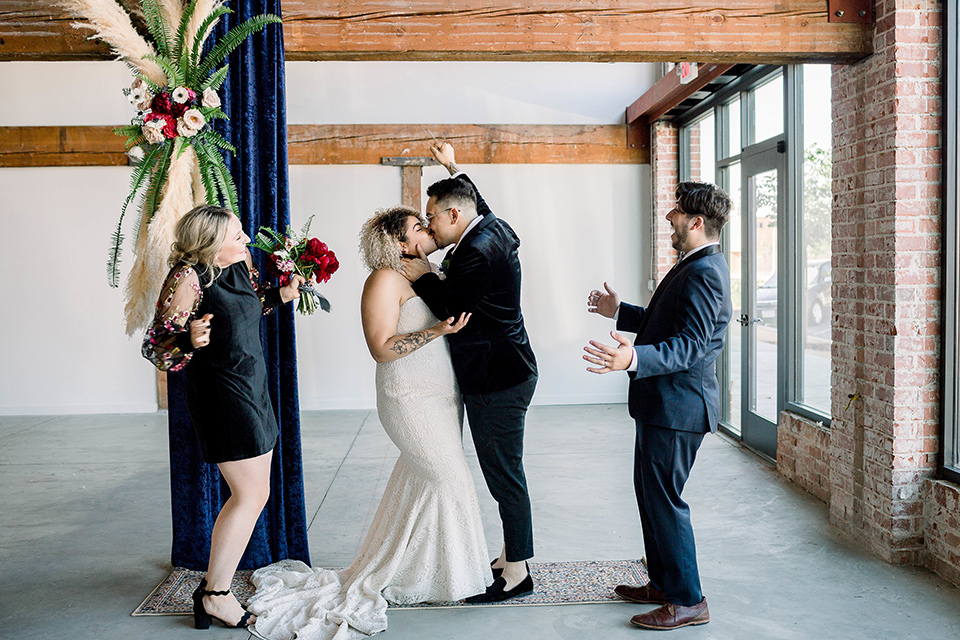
(662,464)
(496,423)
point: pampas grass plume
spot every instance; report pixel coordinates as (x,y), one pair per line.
(112,25)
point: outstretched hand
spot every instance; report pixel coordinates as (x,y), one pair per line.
(413,268)
(451,324)
(606,304)
(609,358)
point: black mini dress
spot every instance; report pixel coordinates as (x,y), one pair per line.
(226,380)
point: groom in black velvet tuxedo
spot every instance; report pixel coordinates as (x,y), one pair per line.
(492,358)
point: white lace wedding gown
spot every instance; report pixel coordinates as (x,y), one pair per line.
(426,542)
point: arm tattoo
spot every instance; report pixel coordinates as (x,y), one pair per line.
(412,341)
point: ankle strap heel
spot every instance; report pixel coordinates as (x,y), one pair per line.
(202,619)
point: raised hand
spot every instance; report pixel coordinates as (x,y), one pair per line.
(604,303)
(200,331)
(609,358)
(443,152)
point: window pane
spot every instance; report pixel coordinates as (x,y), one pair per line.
(768,110)
(816,206)
(703,163)
(734,144)
(732,231)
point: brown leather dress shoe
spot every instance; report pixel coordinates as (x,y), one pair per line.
(647,594)
(673,616)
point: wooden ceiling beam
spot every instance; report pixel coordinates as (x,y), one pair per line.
(668,92)
(76,146)
(735,31)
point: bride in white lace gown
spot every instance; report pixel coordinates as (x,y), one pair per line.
(426,542)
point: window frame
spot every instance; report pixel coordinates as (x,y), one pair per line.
(948,460)
(791,360)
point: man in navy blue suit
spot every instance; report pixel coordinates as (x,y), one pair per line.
(674,396)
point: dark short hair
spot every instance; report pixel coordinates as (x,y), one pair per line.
(707,201)
(453,192)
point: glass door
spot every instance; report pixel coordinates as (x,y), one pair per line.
(761,199)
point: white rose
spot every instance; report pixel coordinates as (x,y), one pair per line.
(180,95)
(144,105)
(138,84)
(135,153)
(184,129)
(194,119)
(210,98)
(153,131)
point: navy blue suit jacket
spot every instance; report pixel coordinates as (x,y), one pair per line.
(680,334)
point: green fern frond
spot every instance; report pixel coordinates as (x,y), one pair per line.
(113,258)
(215,81)
(217,140)
(202,34)
(305,229)
(221,174)
(136,140)
(127,130)
(157,26)
(140,173)
(232,40)
(151,198)
(179,49)
(213,113)
(173,74)
(206,177)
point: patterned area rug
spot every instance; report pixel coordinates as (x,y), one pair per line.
(586,582)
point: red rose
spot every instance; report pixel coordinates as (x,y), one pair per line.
(326,267)
(161,103)
(316,248)
(177,110)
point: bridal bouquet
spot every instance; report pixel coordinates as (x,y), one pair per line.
(295,253)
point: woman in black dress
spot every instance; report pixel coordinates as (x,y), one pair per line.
(208,323)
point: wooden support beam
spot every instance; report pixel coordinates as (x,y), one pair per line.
(736,31)
(668,92)
(410,186)
(351,144)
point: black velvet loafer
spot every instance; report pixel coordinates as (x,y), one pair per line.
(498,593)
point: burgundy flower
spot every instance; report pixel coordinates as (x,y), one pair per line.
(161,103)
(316,248)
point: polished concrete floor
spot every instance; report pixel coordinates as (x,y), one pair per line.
(85,531)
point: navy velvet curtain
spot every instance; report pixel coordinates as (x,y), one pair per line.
(253,98)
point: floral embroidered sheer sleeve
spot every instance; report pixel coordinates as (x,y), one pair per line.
(167,342)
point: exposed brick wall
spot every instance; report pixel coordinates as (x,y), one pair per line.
(886,281)
(941,514)
(803,449)
(665,154)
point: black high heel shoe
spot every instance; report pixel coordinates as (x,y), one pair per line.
(202,619)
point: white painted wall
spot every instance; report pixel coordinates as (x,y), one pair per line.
(64,350)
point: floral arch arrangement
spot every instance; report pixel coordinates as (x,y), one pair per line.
(177,155)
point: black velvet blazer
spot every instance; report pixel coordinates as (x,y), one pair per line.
(493,351)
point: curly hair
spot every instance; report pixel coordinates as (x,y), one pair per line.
(200,234)
(381,233)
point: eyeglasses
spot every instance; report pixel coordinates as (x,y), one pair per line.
(431,216)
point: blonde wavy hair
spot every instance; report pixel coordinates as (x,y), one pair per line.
(200,235)
(381,233)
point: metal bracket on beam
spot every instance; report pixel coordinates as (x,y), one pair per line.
(638,134)
(860,11)
(409,161)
